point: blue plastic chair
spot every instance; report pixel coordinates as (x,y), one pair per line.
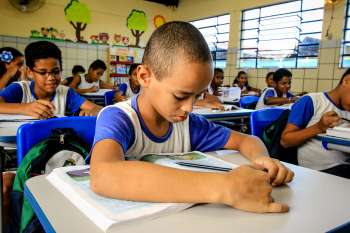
(248,101)
(109,95)
(122,87)
(261,118)
(32,133)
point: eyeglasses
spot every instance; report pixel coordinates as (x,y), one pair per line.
(53,73)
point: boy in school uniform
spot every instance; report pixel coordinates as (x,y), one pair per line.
(91,82)
(176,69)
(44,97)
(314,114)
(279,94)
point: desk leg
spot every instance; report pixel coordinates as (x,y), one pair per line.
(2,155)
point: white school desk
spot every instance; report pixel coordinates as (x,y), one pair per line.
(217,115)
(334,143)
(97,97)
(318,203)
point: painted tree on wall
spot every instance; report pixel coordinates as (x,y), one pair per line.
(78,15)
(137,23)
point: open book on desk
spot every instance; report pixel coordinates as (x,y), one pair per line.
(340,131)
(110,214)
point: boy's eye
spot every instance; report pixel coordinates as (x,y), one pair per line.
(180,97)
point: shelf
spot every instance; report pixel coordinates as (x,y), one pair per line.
(121,62)
(118,75)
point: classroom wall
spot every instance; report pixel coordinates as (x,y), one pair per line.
(325,77)
(106,16)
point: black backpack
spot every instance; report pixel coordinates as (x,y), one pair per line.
(271,137)
(55,151)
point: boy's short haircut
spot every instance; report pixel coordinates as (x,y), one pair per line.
(268,74)
(78,69)
(41,50)
(133,67)
(218,70)
(171,41)
(98,64)
(343,76)
(280,73)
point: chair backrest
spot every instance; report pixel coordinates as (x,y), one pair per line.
(109,95)
(261,118)
(248,101)
(32,133)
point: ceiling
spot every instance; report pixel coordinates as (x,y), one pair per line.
(172,3)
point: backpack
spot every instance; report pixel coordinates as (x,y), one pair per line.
(271,137)
(62,148)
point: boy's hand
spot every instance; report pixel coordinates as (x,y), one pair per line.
(93,89)
(250,190)
(89,112)
(277,172)
(328,120)
(40,109)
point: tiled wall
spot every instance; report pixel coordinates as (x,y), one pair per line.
(72,53)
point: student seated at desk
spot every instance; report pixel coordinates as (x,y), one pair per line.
(77,70)
(132,87)
(91,82)
(312,115)
(269,80)
(278,95)
(11,66)
(176,68)
(241,81)
(43,97)
(216,83)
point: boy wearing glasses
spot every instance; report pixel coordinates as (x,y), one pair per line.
(43,97)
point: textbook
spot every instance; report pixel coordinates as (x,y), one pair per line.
(110,214)
(341,131)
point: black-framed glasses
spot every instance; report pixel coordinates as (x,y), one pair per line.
(54,73)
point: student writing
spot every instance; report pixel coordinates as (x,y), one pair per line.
(176,68)
(43,97)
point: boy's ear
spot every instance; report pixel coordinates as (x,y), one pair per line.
(29,73)
(346,80)
(144,75)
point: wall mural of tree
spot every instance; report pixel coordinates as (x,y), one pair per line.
(79,16)
(137,24)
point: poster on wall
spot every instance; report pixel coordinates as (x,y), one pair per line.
(79,16)
(137,24)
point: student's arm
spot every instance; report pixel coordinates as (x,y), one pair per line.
(209,101)
(294,136)
(104,85)
(75,82)
(253,149)
(245,188)
(270,99)
(10,103)
(89,109)
(119,97)
(10,72)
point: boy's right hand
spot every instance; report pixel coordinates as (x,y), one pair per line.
(93,89)
(329,120)
(249,189)
(40,109)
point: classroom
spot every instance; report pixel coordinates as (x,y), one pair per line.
(174,116)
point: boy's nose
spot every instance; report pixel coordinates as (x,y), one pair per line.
(187,105)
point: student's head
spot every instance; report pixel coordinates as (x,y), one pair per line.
(44,61)
(8,57)
(176,68)
(269,80)
(78,69)
(343,90)
(283,79)
(133,74)
(218,79)
(241,79)
(96,70)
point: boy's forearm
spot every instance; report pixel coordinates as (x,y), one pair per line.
(277,101)
(12,108)
(154,183)
(252,147)
(298,137)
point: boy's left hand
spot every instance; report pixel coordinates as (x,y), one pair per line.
(88,112)
(278,173)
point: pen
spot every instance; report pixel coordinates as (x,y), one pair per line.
(196,165)
(345,119)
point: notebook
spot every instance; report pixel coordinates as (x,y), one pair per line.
(110,214)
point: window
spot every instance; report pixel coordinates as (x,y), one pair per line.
(216,32)
(282,35)
(345,51)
